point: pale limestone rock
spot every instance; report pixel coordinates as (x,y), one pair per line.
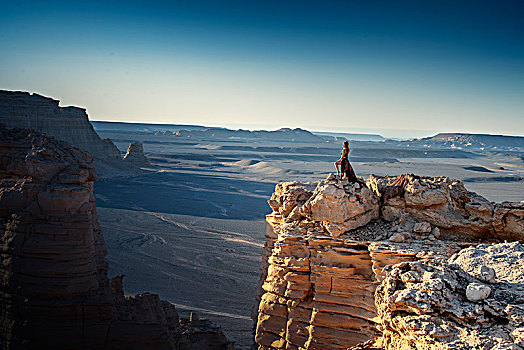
(477,291)
(434,304)
(447,205)
(340,206)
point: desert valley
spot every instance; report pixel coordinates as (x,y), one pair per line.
(192,222)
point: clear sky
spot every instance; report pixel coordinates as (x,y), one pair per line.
(386,66)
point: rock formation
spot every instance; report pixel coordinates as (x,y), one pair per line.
(54,289)
(135,155)
(474,300)
(329,245)
(71,124)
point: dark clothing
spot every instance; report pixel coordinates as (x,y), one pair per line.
(347,170)
(398,187)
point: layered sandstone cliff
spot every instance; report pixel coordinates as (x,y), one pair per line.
(329,245)
(71,124)
(54,289)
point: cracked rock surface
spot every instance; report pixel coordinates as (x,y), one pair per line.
(439,304)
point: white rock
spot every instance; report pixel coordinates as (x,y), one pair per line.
(477,291)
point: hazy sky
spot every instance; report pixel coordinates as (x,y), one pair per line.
(425,66)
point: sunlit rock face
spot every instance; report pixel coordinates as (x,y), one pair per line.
(54,289)
(135,155)
(329,243)
(448,205)
(71,124)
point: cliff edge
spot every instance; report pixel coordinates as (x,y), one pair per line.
(54,289)
(23,110)
(327,280)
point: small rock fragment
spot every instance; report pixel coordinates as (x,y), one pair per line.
(422,227)
(486,274)
(477,291)
(398,238)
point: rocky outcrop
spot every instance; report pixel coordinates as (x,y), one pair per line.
(329,245)
(135,155)
(71,124)
(474,300)
(448,205)
(54,289)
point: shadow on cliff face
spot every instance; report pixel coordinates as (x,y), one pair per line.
(187,194)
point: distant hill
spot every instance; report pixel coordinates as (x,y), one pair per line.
(197,131)
(283,134)
(352,136)
(141,127)
(484,142)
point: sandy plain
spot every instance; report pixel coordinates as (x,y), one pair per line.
(190,227)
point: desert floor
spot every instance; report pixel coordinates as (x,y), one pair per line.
(190,227)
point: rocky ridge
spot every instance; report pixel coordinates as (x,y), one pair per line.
(54,288)
(329,245)
(71,124)
(482,142)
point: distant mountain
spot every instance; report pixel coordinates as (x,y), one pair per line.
(352,136)
(189,131)
(141,127)
(484,142)
(283,134)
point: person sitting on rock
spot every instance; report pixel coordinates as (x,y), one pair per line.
(346,170)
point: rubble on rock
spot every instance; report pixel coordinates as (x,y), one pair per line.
(438,304)
(329,244)
(55,292)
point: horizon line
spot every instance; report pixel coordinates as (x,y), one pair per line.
(275,128)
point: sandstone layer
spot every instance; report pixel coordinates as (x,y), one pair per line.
(54,289)
(329,245)
(71,124)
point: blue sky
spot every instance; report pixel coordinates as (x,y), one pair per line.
(409,68)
